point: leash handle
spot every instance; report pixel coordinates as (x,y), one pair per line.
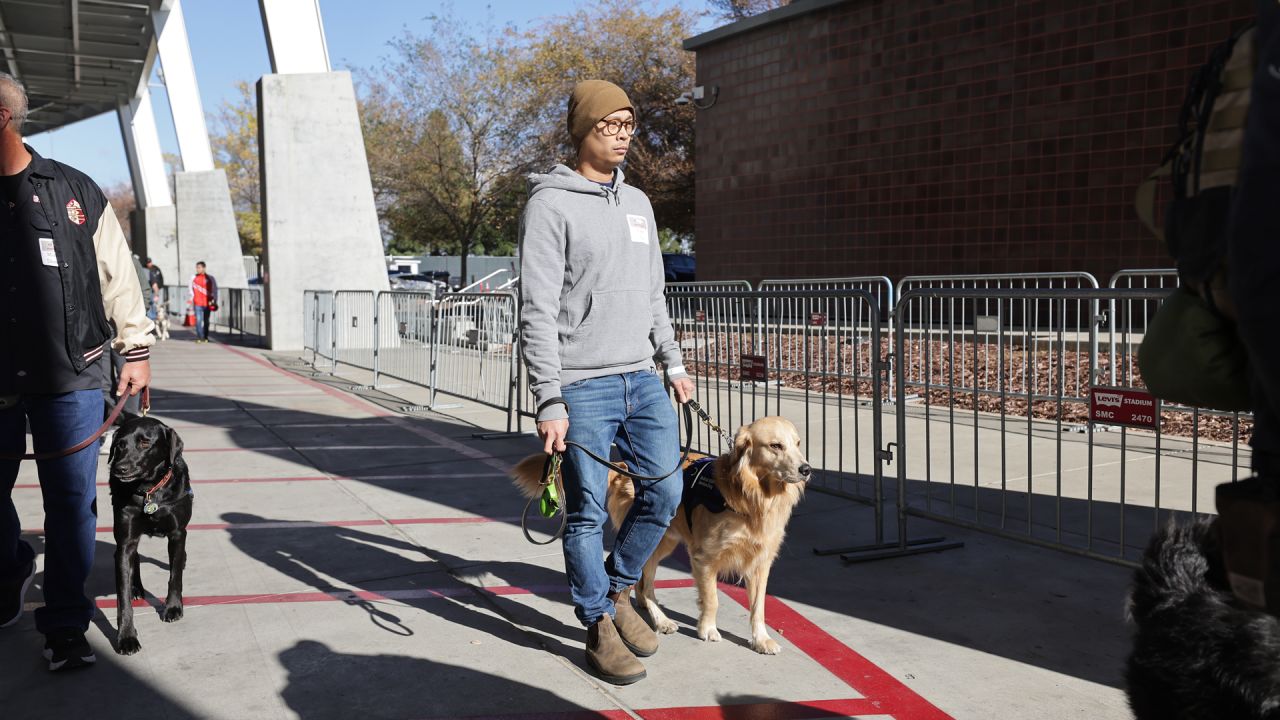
(115,414)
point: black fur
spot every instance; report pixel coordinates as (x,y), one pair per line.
(1198,653)
(144,449)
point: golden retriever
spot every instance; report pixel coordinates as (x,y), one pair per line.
(761,478)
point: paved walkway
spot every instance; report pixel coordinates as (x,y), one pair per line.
(347,561)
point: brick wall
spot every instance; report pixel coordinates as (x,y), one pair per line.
(896,137)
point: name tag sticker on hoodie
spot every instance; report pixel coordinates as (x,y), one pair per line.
(639,228)
(48,255)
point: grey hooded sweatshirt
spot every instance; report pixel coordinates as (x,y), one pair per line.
(591,285)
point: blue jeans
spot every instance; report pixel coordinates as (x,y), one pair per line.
(70,501)
(634,411)
(202,322)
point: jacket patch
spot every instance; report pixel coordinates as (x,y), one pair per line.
(75,213)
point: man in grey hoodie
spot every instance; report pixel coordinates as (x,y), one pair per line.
(593,320)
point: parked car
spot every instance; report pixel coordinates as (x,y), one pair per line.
(420,282)
(678,267)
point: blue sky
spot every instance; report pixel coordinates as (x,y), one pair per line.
(228,46)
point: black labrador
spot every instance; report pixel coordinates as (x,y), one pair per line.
(150,495)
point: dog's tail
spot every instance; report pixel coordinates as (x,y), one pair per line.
(527,476)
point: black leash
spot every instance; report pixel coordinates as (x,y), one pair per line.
(549,499)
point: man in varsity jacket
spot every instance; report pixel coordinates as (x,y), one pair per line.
(66,275)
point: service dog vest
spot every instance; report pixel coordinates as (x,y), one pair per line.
(700,489)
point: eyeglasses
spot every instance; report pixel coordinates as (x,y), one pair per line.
(609,127)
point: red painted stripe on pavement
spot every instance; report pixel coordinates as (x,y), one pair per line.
(312,478)
(840,660)
(334,392)
(349,595)
(305,524)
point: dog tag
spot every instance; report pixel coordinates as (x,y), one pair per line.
(150,508)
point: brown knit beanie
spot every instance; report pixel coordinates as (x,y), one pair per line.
(590,102)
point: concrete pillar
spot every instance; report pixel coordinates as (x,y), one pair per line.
(319,224)
(158,224)
(207,228)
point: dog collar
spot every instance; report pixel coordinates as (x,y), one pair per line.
(148,506)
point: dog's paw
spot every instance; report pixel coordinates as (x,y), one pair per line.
(666,627)
(128,646)
(766,645)
(172,613)
(139,593)
(710,634)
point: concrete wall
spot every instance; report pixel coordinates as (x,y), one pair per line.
(319,224)
(207,229)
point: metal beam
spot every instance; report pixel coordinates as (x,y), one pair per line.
(142,145)
(184,92)
(295,36)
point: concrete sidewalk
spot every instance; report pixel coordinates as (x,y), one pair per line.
(347,561)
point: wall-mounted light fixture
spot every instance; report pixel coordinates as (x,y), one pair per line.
(697,96)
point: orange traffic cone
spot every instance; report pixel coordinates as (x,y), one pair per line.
(190,319)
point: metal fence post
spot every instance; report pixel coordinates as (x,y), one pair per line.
(377,334)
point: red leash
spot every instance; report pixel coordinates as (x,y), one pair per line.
(115,414)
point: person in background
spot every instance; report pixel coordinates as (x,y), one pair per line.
(204,300)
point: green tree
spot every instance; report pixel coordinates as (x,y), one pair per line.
(627,43)
(235,150)
(123,203)
(734,10)
(446,152)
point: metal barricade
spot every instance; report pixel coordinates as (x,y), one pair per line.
(920,320)
(997,453)
(710,286)
(241,312)
(473,348)
(880,287)
(1124,355)
(816,360)
(355,328)
(318,319)
(404,336)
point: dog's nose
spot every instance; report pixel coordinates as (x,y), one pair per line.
(805,470)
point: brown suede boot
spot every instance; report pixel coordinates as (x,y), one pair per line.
(608,657)
(636,634)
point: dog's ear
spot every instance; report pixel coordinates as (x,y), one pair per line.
(742,455)
(175,446)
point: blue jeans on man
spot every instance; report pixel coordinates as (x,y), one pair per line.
(634,411)
(70,501)
(202,322)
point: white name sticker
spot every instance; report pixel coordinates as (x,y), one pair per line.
(48,255)
(639,228)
